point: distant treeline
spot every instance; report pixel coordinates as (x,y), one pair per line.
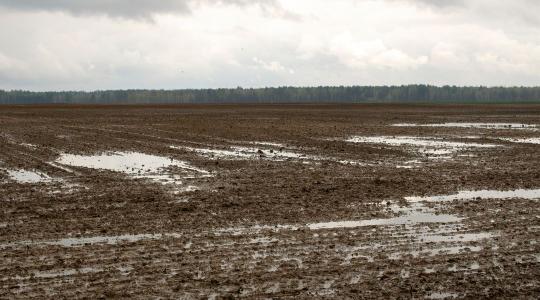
(322,94)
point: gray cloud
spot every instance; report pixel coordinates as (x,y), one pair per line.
(471,3)
(439,3)
(226,43)
(133,9)
(522,11)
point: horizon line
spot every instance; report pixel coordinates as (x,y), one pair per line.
(271,87)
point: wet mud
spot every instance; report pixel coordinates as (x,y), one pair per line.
(293,201)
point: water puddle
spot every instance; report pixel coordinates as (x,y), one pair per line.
(54,185)
(124,270)
(137,165)
(472,125)
(434,147)
(269,151)
(256,229)
(67,272)
(247,153)
(415,213)
(442,295)
(410,164)
(454,241)
(28,145)
(522,141)
(353,163)
(54,274)
(474,266)
(132,163)
(82,241)
(461,237)
(216,153)
(278,145)
(437,250)
(412,215)
(63,168)
(416,229)
(25,176)
(409,219)
(529,194)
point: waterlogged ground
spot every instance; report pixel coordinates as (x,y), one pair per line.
(190,202)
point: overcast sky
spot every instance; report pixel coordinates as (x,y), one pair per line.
(118,44)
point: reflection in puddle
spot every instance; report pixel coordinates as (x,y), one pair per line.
(353,163)
(60,167)
(68,272)
(522,141)
(410,229)
(531,194)
(278,145)
(473,125)
(472,267)
(417,230)
(28,145)
(54,185)
(410,219)
(137,165)
(55,273)
(24,176)
(82,241)
(132,163)
(238,152)
(442,295)
(413,215)
(251,153)
(462,237)
(410,164)
(428,146)
(216,153)
(256,229)
(437,250)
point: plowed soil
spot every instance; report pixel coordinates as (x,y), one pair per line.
(263,224)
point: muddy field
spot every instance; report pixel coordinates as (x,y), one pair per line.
(366,201)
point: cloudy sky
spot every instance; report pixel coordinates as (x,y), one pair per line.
(117,44)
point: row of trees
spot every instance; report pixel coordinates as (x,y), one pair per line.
(322,94)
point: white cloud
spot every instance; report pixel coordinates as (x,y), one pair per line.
(137,9)
(6,63)
(272,66)
(357,53)
(446,55)
(97,45)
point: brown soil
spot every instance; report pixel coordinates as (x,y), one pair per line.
(202,255)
